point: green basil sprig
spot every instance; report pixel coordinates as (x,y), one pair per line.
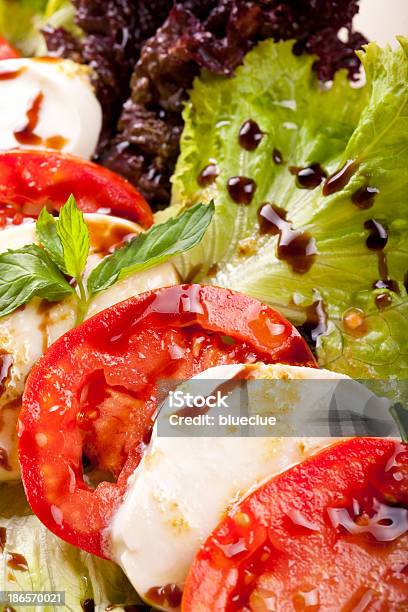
(45,271)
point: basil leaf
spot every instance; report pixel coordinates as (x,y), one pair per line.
(74,235)
(26,273)
(148,249)
(46,228)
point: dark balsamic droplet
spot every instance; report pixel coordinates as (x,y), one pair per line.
(383,300)
(55,142)
(7,75)
(207,175)
(339,179)
(315,324)
(213,270)
(277,157)
(88,605)
(26,135)
(387,283)
(4,460)
(250,135)
(364,197)
(270,217)
(241,189)
(17,562)
(378,236)
(296,247)
(3,538)
(309,177)
(169,595)
(376,241)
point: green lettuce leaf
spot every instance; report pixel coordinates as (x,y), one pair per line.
(54,565)
(21,22)
(307,124)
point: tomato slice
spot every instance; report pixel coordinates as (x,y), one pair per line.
(329,534)
(7,51)
(94,393)
(30,180)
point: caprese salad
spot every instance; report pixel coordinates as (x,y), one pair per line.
(198,191)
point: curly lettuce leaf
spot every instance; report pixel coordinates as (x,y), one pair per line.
(16,17)
(21,22)
(54,565)
(307,124)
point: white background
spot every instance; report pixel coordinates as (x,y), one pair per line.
(382,20)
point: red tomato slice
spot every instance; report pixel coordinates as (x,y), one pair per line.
(329,534)
(30,180)
(7,51)
(94,392)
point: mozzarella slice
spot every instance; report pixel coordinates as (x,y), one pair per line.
(48,103)
(28,332)
(184,486)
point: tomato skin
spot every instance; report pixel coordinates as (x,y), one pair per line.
(7,51)
(30,180)
(129,345)
(280,559)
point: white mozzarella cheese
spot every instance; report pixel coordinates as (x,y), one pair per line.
(185,485)
(160,276)
(48,103)
(29,331)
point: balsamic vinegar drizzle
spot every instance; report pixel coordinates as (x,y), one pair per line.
(250,135)
(376,241)
(339,179)
(49,59)
(213,270)
(296,247)
(308,177)
(315,324)
(88,605)
(385,282)
(55,142)
(8,75)
(3,538)
(4,460)
(169,594)
(364,197)
(208,175)
(27,135)
(382,521)
(378,236)
(17,562)
(277,157)
(383,300)
(241,189)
